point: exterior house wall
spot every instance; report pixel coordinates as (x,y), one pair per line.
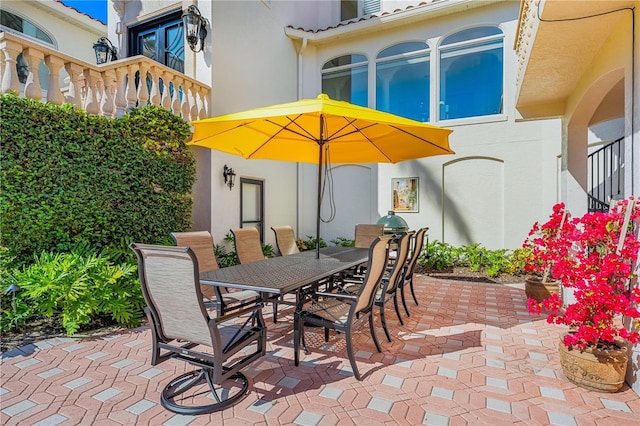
(73,33)
(503,176)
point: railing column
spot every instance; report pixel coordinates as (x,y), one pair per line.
(143,90)
(166,93)
(155,86)
(32,88)
(175,102)
(132,97)
(10,81)
(91,78)
(54,93)
(75,72)
(184,107)
(107,104)
(121,100)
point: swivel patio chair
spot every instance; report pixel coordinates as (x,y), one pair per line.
(344,312)
(219,347)
(285,240)
(418,245)
(201,242)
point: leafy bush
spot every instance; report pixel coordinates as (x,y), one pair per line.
(75,287)
(439,256)
(69,178)
(310,243)
(343,242)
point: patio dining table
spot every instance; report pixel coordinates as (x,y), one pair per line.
(287,274)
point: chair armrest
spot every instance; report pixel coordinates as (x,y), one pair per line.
(337,295)
(238,313)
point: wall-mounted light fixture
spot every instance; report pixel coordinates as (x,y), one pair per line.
(105,51)
(229,176)
(195,27)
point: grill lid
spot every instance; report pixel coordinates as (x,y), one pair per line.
(393,224)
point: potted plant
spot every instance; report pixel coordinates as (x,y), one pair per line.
(596,256)
(543,244)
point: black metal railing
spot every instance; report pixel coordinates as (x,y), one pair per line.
(606,175)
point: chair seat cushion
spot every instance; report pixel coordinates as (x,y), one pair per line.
(329,309)
(239,296)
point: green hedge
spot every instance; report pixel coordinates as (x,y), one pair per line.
(70,178)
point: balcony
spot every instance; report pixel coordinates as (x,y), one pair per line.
(109,89)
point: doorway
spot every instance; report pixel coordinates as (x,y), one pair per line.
(252,205)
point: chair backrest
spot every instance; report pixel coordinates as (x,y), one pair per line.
(247,243)
(201,242)
(170,283)
(365,234)
(378,259)
(417,249)
(285,240)
(398,267)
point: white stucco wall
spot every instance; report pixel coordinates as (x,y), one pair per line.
(504,174)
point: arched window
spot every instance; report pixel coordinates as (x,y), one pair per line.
(17,24)
(471,73)
(402,80)
(345,79)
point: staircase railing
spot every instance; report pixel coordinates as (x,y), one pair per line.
(605,168)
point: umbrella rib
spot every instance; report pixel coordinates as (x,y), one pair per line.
(282,128)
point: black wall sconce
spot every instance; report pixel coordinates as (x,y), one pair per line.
(229,176)
(105,51)
(195,27)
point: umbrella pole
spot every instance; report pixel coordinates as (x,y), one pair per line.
(321,144)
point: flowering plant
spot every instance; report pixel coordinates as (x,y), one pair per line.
(544,243)
(595,255)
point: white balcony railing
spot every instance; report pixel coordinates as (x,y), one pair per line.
(109,89)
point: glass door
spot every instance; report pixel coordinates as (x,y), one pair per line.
(252,205)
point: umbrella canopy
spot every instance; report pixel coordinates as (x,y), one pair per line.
(322,131)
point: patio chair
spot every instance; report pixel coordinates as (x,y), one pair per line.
(418,244)
(201,242)
(364,235)
(391,281)
(249,250)
(285,240)
(344,312)
(247,244)
(181,328)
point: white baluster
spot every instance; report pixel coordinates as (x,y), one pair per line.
(32,88)
(185,108)
(166,93)
(143,90)
(132,97)
(10,82)
(193,113)
(155,86)
(73,94)
(91,78)
(175,102)
(107,104)
(54,94)
(121,100)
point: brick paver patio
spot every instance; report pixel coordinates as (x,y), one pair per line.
(470,354)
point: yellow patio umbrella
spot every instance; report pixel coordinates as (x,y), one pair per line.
(322,131)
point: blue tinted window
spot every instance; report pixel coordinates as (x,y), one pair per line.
(471,77)
(344,81)
(402,81)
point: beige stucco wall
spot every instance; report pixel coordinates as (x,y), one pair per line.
(73,33)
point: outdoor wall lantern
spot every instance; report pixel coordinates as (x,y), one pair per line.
(229,176)
(195,27)
(105,51)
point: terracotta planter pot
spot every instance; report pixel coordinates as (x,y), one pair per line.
(536,289)
(595,369)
